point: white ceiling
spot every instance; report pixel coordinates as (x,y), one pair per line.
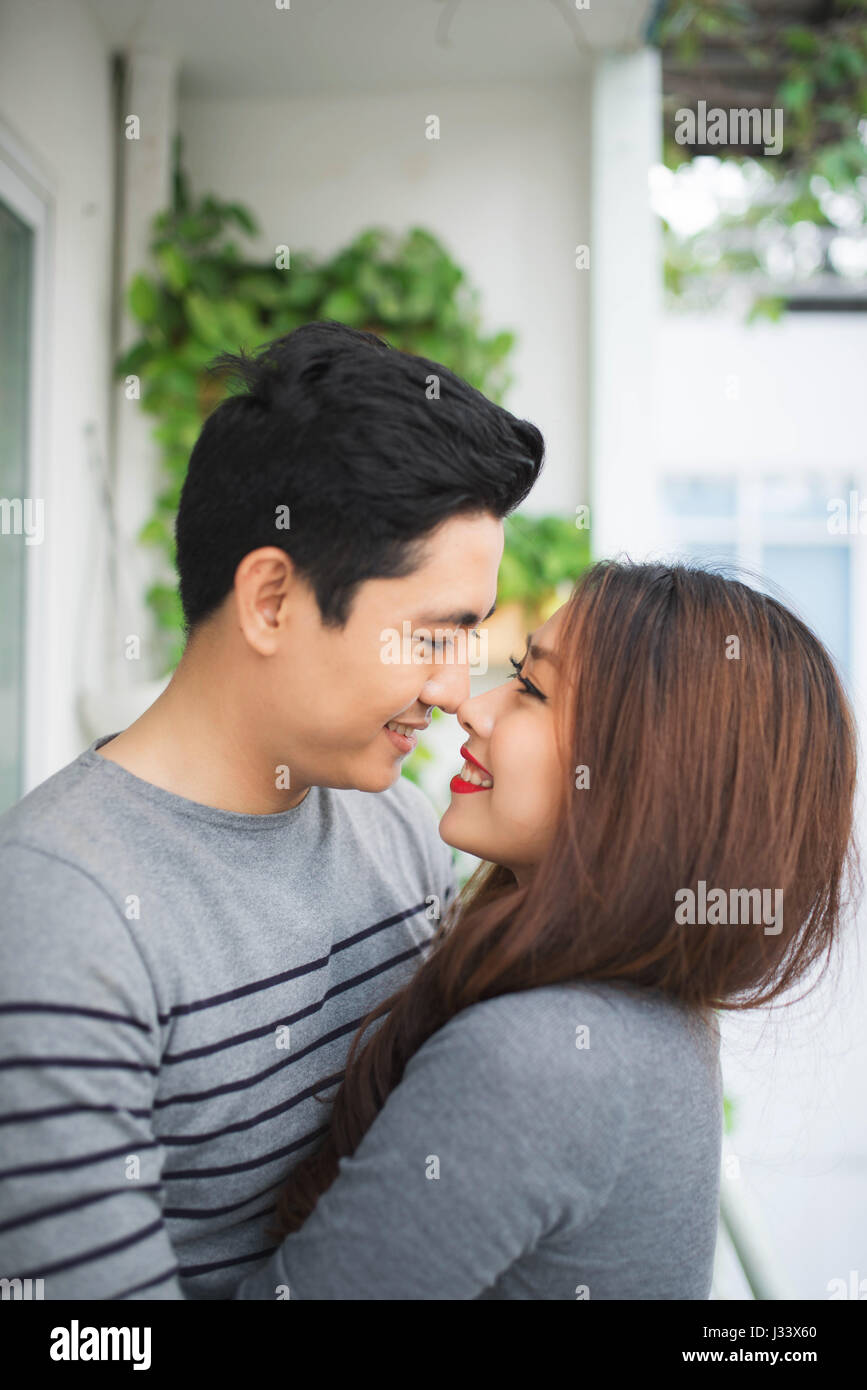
(243,48)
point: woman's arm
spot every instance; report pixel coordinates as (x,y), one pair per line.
(499,1130)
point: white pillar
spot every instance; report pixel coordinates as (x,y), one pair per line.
(625,299)
(149,94)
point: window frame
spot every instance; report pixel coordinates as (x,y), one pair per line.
(26,192)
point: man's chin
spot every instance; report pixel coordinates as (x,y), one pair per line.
(373,779)
(383,781)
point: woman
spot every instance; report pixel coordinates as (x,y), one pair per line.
(537,1114)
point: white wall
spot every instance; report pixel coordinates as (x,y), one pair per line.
(55,101)
(505,188)
(785,394)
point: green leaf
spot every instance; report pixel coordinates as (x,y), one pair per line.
(286,321)
(303,288)
(196,228)
(236,212)
(768,307)
(801,41)
(174,266)
(210,276)
(166,604)
(266,289)
(794,94)
(153,532)
(345,306)
(205,319)
(134,359)
(143,298)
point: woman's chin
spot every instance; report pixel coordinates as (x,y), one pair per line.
(450,827)
(457,836)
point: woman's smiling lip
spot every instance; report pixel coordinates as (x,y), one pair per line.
(457,784)
(470,759)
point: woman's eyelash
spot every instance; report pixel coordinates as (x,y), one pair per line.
(528,686)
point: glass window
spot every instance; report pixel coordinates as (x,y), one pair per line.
(816,580)
(804,498)
(705,497)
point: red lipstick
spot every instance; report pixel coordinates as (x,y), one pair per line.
(470,759)
(457,784)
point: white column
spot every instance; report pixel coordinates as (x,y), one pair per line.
(149,94)
(625,300)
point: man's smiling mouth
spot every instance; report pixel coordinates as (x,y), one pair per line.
(407,730)
(404,736)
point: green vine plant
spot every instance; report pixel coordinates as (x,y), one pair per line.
(799,214)
(542,558)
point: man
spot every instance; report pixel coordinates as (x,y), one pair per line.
(198,912)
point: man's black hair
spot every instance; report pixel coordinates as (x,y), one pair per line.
(344,431)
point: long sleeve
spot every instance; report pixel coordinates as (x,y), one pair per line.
(79,1052)
(500,1134)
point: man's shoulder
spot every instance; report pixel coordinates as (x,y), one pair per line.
(52,846)
(54,843)
(56,815)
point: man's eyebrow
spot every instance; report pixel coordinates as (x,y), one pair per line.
(456,619)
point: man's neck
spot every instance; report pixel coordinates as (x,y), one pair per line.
(192,742)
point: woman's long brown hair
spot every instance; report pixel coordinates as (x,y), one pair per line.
(719,746)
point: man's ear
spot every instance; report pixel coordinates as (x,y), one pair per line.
(263,582)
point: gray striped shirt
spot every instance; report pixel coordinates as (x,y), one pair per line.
(174,982)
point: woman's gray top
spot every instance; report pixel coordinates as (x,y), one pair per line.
(558,1143)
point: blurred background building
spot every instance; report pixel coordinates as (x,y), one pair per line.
(497,184)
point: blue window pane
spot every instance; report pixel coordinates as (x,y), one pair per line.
(707,497)
(815,579)
(804,498)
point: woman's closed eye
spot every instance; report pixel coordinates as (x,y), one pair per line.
(527,686)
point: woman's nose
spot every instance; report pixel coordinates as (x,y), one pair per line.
(476,715)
